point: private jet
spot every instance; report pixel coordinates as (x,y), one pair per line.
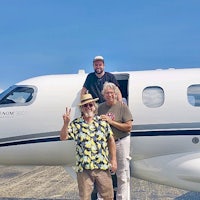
(165,137)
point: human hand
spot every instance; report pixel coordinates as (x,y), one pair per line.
(66,116)
(113,167)
(106,118)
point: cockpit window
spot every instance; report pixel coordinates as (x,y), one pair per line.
(153,96)
(193,94)
(18,95)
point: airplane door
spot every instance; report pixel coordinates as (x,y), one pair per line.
(123,80)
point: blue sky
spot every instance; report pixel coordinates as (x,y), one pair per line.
(39,37)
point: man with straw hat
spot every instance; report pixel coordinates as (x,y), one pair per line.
(95,149)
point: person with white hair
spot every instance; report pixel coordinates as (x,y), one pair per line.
(119,117)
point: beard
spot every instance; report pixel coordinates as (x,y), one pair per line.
(89,114)
(98,71)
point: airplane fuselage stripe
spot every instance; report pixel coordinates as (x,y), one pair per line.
(20,140)
(30,141)
(165,133)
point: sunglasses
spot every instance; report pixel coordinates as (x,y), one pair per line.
(88,104)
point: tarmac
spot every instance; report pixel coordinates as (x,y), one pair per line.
(53,182)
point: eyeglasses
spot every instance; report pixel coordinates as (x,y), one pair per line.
(88,104)
(109,93)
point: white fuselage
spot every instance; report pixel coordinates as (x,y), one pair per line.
(165,145)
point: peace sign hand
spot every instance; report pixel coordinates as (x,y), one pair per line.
(66,116)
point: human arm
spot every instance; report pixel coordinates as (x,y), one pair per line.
(122,126)
(66,119)
(83,91)
(112,151)
(86,85)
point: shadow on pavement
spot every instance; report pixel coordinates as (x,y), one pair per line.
(189,196)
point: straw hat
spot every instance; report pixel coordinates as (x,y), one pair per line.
(87,98)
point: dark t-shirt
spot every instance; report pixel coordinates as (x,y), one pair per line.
(94,85)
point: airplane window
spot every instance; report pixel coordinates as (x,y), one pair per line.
(17,95)
(153,96)
(193,95)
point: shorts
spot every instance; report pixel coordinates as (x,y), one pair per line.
(102,180)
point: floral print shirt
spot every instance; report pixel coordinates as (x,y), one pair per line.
(91,143)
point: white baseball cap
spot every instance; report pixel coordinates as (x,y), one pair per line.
(98,58)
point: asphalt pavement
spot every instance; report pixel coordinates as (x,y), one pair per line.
(53,182)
